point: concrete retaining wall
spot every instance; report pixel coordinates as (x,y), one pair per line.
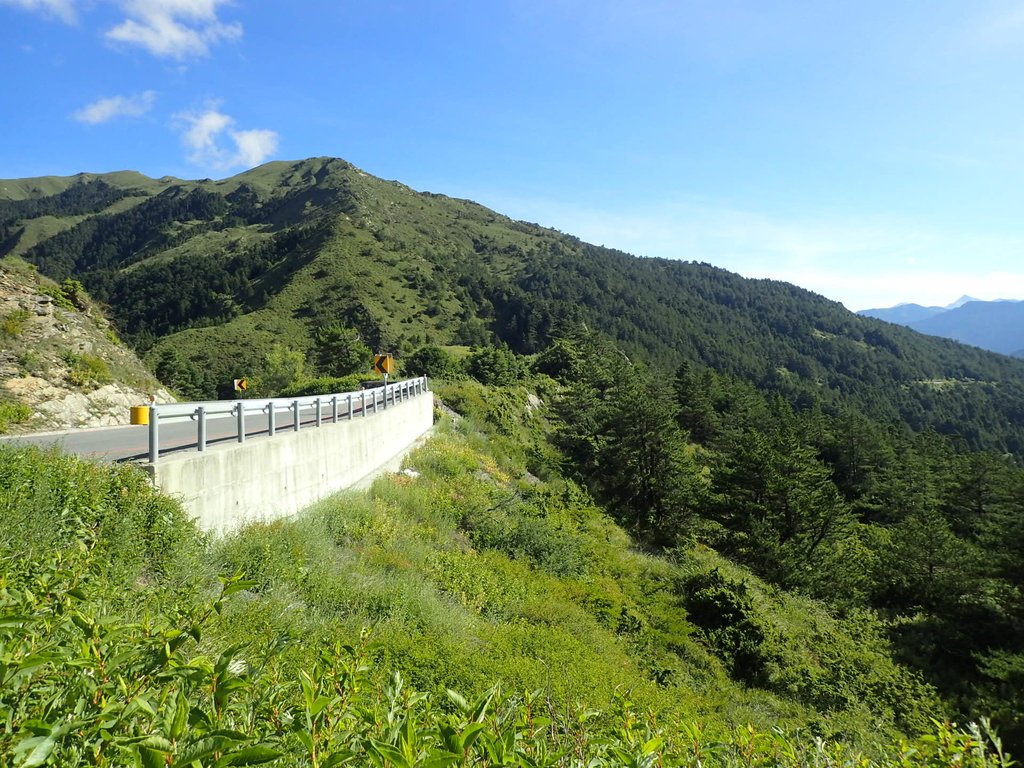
(267,478)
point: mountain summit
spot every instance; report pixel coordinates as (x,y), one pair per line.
(210,279)
(994,325)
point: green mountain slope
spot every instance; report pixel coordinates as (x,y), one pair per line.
(803,548)
(208,276)
(464,574)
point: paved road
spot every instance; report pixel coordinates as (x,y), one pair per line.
(130,443)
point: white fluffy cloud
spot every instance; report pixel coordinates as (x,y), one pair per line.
(102,110)
(62,9)
(176,29)
(206,134)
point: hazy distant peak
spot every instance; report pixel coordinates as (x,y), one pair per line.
(965,299)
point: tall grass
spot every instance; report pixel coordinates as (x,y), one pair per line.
(346,631)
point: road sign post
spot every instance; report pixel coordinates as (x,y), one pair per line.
(383,364)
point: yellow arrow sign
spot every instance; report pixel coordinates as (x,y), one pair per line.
(241,385)
(383,364)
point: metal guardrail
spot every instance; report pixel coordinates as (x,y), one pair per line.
(327,409)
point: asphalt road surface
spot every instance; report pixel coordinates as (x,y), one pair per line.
(131,443)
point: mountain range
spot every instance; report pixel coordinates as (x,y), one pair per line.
(994,325)
(207,278)
(754,432)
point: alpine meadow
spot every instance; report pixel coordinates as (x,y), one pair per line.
(669,516)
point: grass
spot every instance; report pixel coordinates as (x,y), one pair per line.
(13,413)
(12,325)
(356,619)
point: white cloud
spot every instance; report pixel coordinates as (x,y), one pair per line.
(103,110)
(204,133)
(62,9)
(176,29)
(254,146)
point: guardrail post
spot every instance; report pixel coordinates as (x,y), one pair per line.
(334,409)
(319,413)
(295,411)
(362,398)
(271,419)
(154,434)
(350,407)
(240,419)
(375,399)
(201,428)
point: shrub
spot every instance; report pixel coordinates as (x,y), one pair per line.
(87,370)
(724,612)
(340,351)
(324,385)
(49,498)
(13,413)
(496,366)
(74,291)
(57,294)
(432,361)
(13,324)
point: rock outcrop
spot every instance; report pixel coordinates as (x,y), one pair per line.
(60,357)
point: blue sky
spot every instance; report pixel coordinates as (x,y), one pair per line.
(872,151)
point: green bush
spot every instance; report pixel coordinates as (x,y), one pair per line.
(12,325)
(57,294)
(49,498)
(725,614)
(432,361)
(13,413)
(496,366)
(87,370)
(324,385)
(84,686)
(74,291)
(339,351)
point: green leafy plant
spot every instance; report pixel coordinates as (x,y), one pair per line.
(87,370)
(12,325)
(13,413)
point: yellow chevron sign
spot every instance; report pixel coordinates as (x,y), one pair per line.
(383,364)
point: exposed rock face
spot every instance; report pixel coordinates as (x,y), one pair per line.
(60,357)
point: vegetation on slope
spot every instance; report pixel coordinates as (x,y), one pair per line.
(121,646)
(191,269)
(873,578)
(61,363)
(919,533)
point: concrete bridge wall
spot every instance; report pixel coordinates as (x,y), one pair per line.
(267,478)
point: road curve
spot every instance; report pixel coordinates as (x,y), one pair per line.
(131,443)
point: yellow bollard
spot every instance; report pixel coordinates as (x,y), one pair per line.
(140,414)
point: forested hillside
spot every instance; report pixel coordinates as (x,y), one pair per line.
(466,612)
(731,498)
(266,259)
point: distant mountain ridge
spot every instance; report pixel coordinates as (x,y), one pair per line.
(997,325)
